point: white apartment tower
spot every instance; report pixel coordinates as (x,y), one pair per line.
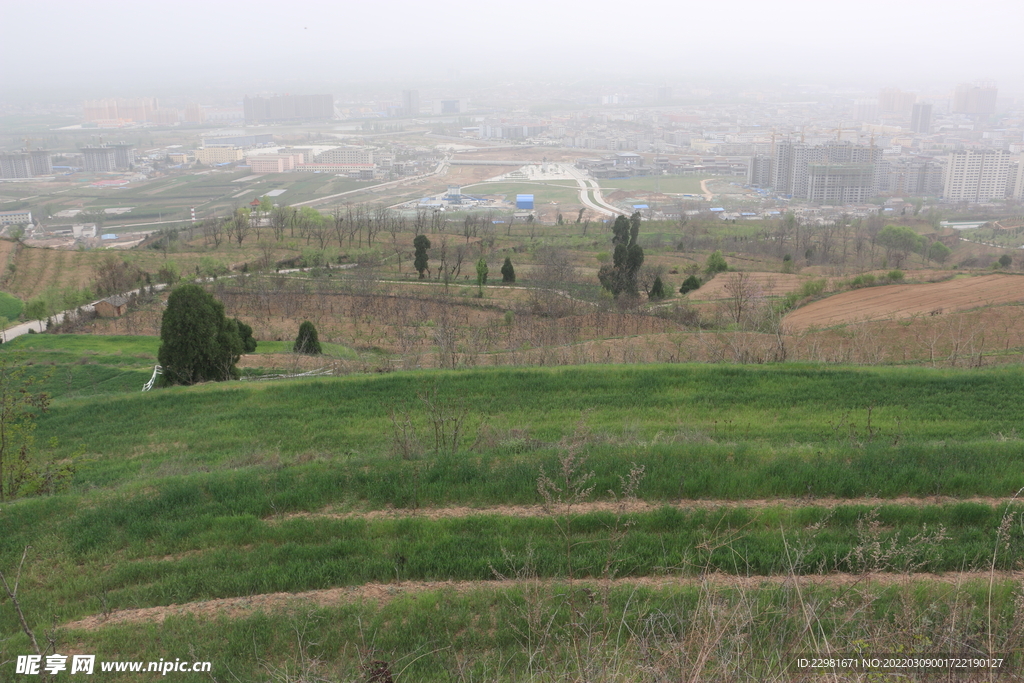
(1018,187)
(976,175)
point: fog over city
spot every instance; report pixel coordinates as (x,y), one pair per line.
(127,47)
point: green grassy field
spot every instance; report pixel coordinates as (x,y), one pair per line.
(562,192)
(240,491)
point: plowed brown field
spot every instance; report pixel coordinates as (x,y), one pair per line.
(905,301)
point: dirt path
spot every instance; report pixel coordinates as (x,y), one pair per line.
(708,194)
(635,506)
(235,608)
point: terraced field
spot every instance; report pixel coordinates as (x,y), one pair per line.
(606,523)
(904,301)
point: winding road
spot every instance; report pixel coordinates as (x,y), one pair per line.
(586,184)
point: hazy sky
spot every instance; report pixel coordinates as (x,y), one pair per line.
(65,46)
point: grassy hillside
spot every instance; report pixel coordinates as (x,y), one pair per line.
(868,503)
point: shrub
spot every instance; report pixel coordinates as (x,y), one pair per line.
(894,275)
(716,264)
(245,334)
(307,341)
(657,289)
(1005,260)
(690,284)
(787,264)
(939,252)
(865,280)
(197,341)
(812,288)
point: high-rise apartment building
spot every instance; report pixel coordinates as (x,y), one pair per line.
(910,175)
(1018,185)
(42,162)
(99,159)
(921,118)
(759,174)
(194,113)
(865,110)
(15,165)
(410,102)
(892,100)
(833,173)
(25,164)
(124,155)
(139,109)
(288,108)
(977,99)
(976,175)
(106,158)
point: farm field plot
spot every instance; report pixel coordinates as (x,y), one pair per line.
(904,301)
(767,284)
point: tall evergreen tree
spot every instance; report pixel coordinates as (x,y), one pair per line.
(508,272)
(628,256)
(307,341)
(421,243)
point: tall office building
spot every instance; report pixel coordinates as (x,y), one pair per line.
(410,102)
(921,118)
(976,175)
(975,99)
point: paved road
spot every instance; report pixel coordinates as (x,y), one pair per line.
(586,185)
(442,167)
